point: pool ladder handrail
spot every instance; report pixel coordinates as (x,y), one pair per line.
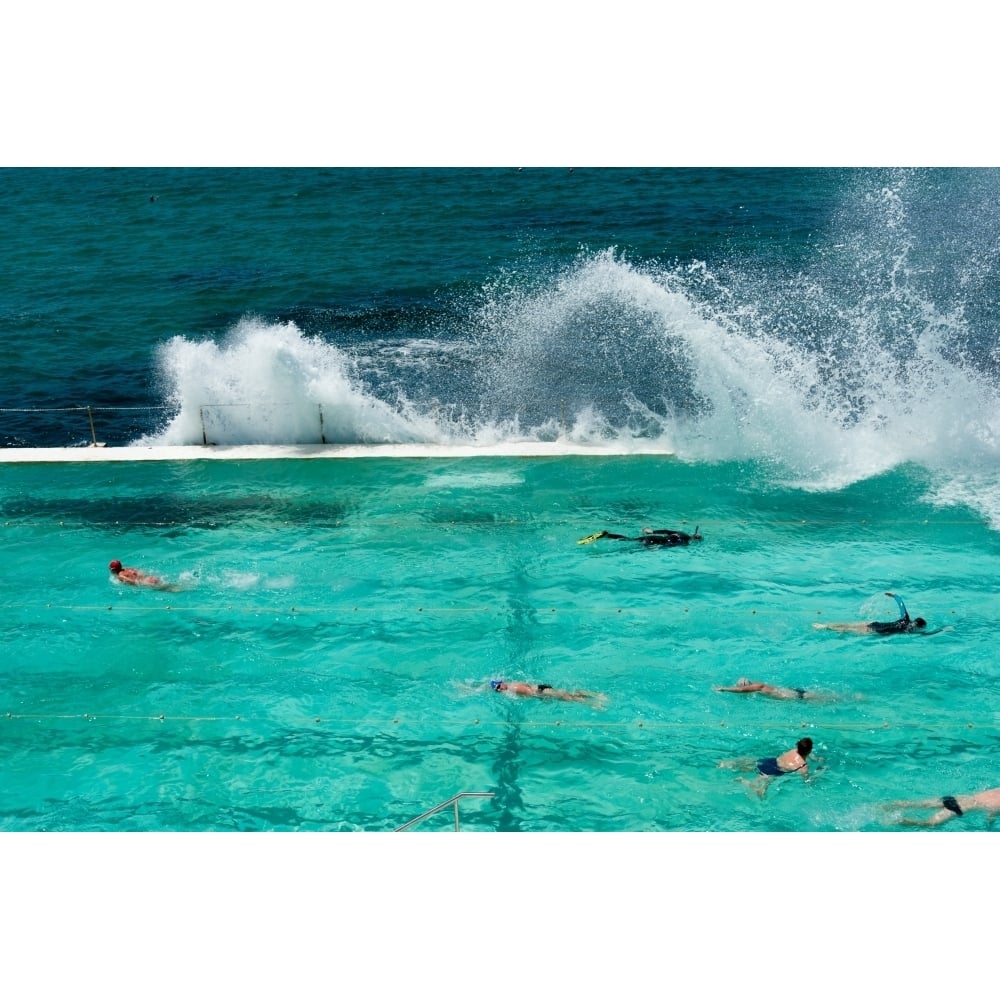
(444,805)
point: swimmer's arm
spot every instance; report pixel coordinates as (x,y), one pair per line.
(899,601)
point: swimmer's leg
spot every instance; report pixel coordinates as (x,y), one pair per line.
(941,816)
(740,764)
(758,786)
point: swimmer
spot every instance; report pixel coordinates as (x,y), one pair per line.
(545,691)
(743,686)
(767,768)
(902,624)
(950,806)
(137,578)
(649,536)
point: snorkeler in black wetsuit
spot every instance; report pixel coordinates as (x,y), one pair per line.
(650,536)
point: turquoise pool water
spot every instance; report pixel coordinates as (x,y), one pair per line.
(325,664)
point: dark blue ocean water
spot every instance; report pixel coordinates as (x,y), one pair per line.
(811,355)
(118,262)
(502,302)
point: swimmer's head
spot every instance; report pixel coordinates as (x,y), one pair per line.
(804,746)
(743,682)
(919,623)
(115,566)
(496,685)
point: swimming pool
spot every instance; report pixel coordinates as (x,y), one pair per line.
(325,664)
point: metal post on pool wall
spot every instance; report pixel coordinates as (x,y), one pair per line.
(201,415)
(94,443)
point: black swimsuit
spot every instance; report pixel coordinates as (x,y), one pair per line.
(769,767)
(949,803)
(901,624)
(885,628)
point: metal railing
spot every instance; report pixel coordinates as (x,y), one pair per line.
(444,805)
(218,422)
(73,425)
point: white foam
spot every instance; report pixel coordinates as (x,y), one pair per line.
(187,453)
